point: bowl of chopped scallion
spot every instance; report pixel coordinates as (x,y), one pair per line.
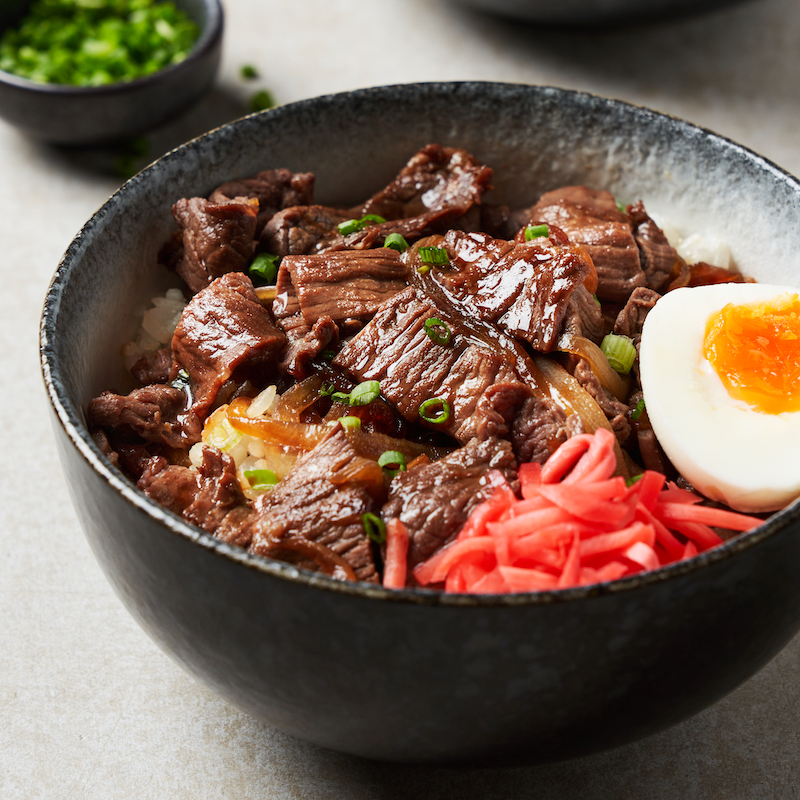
(80,72)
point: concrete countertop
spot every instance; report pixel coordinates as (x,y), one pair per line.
(89,707)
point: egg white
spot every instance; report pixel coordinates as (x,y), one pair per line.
(727,450)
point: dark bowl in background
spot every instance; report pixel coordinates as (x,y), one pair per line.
(596,12)
(92,115)
(419,676)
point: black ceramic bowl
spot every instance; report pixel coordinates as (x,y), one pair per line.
(596,12)
(79,115)
(417,675)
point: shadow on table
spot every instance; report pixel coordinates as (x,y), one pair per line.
(120,161)
(746,52)
(747,745)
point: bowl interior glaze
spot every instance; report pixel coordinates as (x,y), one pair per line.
(416,675)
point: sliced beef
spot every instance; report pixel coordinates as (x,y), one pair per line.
(630,319)
(615,410)
(224,328)
(216,238)
(591,218)
(539,428)
(304,348)
(523,287)
(435,500)
(320,502)
(347,286)
(301,230)
(153,367)
(584,316)
(660,260)
(275,189)
(157,413)
(438,183)
(478,382)
(202,496)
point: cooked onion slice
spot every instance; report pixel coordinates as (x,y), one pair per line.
(289,434)
(585,348)
(574,399)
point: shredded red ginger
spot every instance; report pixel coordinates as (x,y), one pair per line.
(576,524)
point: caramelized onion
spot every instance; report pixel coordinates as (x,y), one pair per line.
(294,401)
(585,348)
(289,434)
(574,399)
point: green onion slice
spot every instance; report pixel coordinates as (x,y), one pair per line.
(434,255)
(340,397)
(536,232)
(260,478)
(182,380)
(374,527)
(353,225)
(365,393)
(438,331)
(637,411)
(630,481)
(328,355)
(429,413)
(392,462)
(350,423)
(326,390)
(597,300)
(620,352)
(264,268)
(423,269)
(396,242)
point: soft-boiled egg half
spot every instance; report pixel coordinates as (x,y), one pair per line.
(720,372)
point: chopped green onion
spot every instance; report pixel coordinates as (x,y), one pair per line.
(620,352)
(438,331)
(374,527)
(341,397)
(430,405)
(181,381)
(630,481)
(597,300)
(264,268)
(353,225)
(260,478)
(96,42)
(621,207)
(434,255)
(326,390)
(637,411)
(536,232)
(392,462)
(396,242)
(328,355)
(350,423)
(261,101)
(365,393)
(423,269)
(248,72)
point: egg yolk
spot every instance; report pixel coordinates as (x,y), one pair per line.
(755,350)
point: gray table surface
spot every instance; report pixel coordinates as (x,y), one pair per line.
(89,707)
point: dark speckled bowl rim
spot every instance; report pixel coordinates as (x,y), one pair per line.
(209,36)
(70,418)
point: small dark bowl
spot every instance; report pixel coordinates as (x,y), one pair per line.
(80,115)
(596,12)
(417,675)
